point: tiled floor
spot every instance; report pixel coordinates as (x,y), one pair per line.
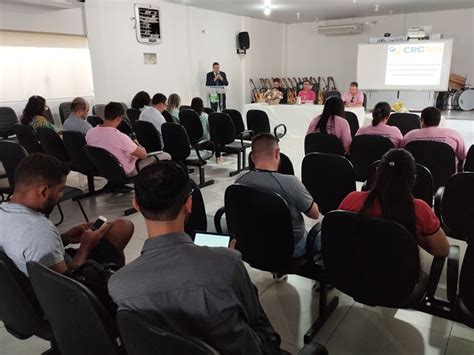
(291,305)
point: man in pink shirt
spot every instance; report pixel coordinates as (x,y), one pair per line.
(307,95)
(429,131)
(353,97)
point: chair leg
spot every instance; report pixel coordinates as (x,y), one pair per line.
(233,173)
(61,220)
(202,178)
(82,210)
(90,184)
(325,310)
(244,158)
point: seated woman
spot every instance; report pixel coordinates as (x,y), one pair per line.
(332,121)
(379,125)
(141,101)
(391,198)
(33,114)
(174,101)
(198,105)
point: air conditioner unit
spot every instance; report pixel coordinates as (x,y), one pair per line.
(338,30)
(55,4)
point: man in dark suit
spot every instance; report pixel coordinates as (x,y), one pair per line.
(217,78)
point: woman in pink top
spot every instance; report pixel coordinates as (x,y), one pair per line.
(379,125)
(307,95)
(332,121)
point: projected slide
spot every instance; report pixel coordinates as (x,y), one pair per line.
(414,64)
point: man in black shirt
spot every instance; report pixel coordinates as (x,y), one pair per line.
(217,78)
(277,85)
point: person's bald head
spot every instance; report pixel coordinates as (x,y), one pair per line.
(265,151)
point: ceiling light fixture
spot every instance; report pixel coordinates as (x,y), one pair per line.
(267,10)
(376,8)
(267,2)
(298,15)
(354,1)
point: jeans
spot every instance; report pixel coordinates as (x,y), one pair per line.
(311,243)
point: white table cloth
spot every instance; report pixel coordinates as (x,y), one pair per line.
(297,118)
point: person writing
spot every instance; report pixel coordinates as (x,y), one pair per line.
(353,97)
(307,95)
(217,78)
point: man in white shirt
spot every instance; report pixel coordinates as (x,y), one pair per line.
(153,114)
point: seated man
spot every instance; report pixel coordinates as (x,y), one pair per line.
(153,114)
(121,146)
(76,121)
(354,97)
(191,290)
(429,131)
(266,156)
(307,95)
(277,85)
(27,235)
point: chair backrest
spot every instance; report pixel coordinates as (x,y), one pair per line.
(48,115)
(95,120)
(142,337)
(197,220)
(52,144)
(192,124)
(106,164)
(285,167)
(98,110)
(438,157)
(133,115)
(456,206)
(64,110)
(80,323)
(258,122)
(167,116)
(148,136)
(406,122)
(74,142)
(27,137)
(124,106)
(184,107)
(323,143)
(175,140)
(265,220)
(19,310)
(7,121)
(469,163)
(331,94)
(466,281)
(221,128)
(208,110)
(11,154)
(365,150)
(423,188)
(351,117)
(373,260)
(365,101)
(236,119)
(329,179)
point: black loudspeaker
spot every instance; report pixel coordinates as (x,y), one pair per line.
(244,40)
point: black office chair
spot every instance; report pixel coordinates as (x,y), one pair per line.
(79,320)
(8,120)
(133,115)
(52,144)
(351,117)
(148,136)
(64,110)
(261,223)
(223,135)
(125,128)
(197,220)
(333,93)
(48,115)
(141,337)
(422,190)
(469,162)
(192,123)
(11,154)
(167,116)
(365,150)
(323,143)
(98,110)
(258,122)
(27,138)
(465,296)
(74,142)
(239,126)
(365,101)
(438,157)
(125,107)
(177,144)
(19,309)
(95,120)
(329,179)
(184,107)
(285,167)
(406,122)
(208,110)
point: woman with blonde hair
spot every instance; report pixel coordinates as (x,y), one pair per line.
(174,101)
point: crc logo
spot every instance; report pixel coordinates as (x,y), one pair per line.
(395,50)
(422,49)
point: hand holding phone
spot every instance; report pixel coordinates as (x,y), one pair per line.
(98,223)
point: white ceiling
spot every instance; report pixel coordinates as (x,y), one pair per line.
(285,11)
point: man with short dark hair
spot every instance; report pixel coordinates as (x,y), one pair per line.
(307,95)
(430,119)
(28,235)
(217,78)
(353,97)
(266,156)
(191,290)
(77,120)
(277,86)
(153,114)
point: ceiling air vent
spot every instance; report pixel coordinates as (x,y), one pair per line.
(338,30)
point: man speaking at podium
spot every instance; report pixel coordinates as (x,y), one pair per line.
(217,78)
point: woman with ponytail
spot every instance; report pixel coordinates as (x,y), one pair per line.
(391,198)
(379,125)
(332,121)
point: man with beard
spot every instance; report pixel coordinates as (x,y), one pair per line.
(28,235)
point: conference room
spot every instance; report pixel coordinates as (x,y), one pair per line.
(236,177)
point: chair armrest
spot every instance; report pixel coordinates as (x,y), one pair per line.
(151,154)
(453,273)
(198,146)
(435,273)
(279,135)
(313,349)
(438,198)
(247,135)
(217,219)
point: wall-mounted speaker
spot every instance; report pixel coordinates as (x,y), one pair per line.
(243,42)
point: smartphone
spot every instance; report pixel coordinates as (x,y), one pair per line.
(98,223)
(205,239)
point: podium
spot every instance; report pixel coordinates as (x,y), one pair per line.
(216,97)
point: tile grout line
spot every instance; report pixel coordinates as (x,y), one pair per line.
(338,324)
